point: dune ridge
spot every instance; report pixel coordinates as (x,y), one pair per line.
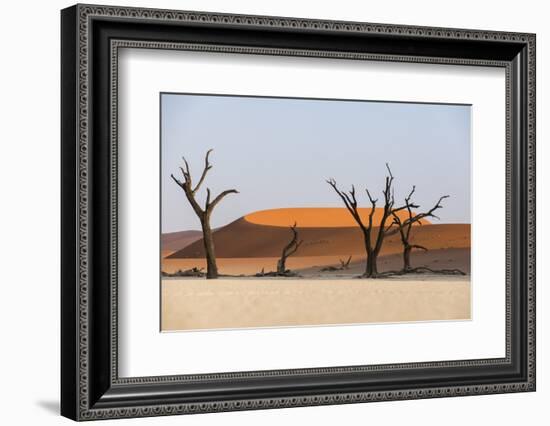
(316,217)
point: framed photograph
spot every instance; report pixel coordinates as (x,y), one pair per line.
(263,212)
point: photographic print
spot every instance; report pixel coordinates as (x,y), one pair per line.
(280,212)
(361,193)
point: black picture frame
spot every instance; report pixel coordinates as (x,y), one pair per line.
(90,386)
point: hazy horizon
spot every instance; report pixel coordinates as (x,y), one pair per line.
(293,145)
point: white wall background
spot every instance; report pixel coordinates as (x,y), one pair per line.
(29,211)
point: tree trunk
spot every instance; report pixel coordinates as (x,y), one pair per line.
(208,240)
(281,266)
(407,258)
(372,269)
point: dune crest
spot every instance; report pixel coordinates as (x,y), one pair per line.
(316,217)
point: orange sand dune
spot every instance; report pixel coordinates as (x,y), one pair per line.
(172,241)
(242,239)
(316,217)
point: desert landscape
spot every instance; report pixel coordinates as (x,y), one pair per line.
(254,242)
(317,212)
(324,291)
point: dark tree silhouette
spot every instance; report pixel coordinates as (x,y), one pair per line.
(372,247)
(344,264)
(203,213)
(288,251)
(405,226)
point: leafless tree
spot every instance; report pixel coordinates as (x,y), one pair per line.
(405,226)
(288,251)
(344,264)
(372,247)
(205,212)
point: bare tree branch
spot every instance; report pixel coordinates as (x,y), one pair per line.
(389,171)
(207,166)
(417,246)
(350,201)
(207,203)
(429,213)
(186,173)
(296,247)
(177,180)
(422,270)
(345,264)
(216,200)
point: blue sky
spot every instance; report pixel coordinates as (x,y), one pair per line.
(278,152)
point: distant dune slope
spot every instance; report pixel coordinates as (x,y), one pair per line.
(242,239)
(173,241)
(316,217)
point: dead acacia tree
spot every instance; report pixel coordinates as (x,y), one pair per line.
(405,226)
(288,251)
(372,245)
(344,264)
(203,213)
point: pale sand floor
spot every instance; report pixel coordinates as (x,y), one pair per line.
(191,304)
